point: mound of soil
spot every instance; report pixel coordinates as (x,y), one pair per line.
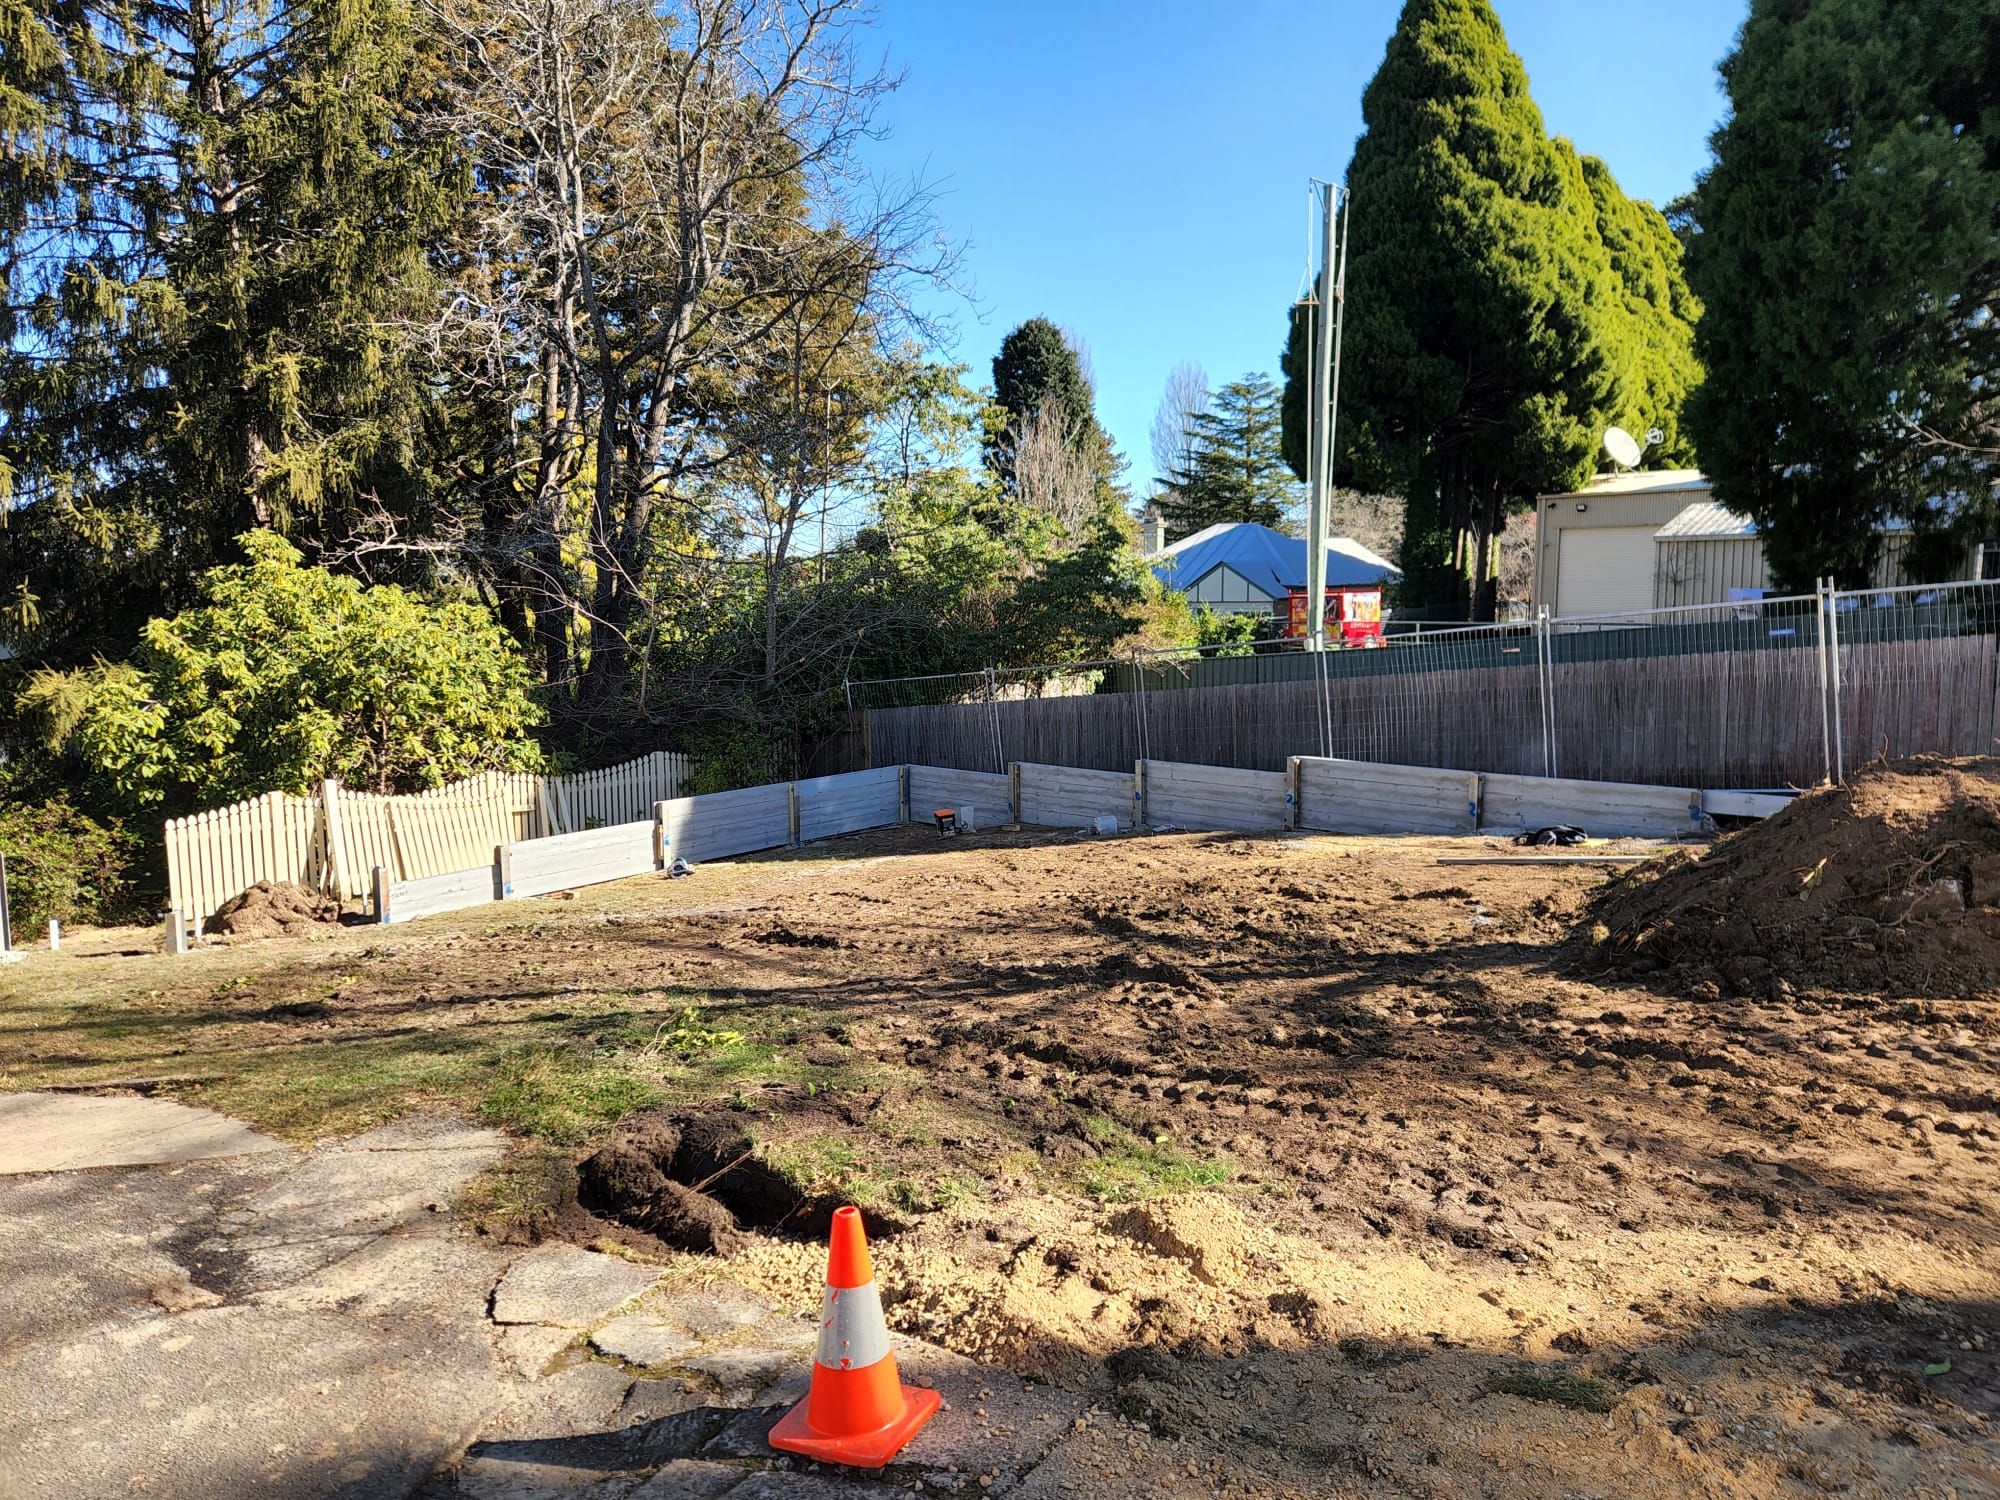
(274,908)
(1887,886)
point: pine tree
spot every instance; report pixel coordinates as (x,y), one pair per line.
(1036,370)
(1038,380)
(206,224)
(1235,469)
(1846,247)
(1487,340)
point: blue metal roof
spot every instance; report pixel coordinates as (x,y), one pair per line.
(1269,559)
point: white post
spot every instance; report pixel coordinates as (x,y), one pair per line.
(1825,679)
(6,919)
(177,938)
(1546,673)
(1320,428)
(1833,673)
(336,840)
(55,936)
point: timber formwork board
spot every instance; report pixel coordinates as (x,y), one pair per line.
(832,805)
(1214,797)
(720,825)
(1058,795)
(1352,796)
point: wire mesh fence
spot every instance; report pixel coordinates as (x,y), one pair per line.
(1753,693)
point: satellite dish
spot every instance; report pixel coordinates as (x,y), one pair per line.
(1623,448)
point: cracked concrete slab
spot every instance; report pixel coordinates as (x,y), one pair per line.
(353,1365)
(314,1324)
(66,1132)
(346,1193)
(228,1402)
(565,1287)
(78,1248)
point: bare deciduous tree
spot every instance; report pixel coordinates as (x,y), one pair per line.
(659,190)
(1185,398)
(1053,474)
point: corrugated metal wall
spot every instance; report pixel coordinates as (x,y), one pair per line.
(1704,571)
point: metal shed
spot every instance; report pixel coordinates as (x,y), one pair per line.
(1704,552)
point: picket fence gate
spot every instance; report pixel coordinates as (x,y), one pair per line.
(334,839)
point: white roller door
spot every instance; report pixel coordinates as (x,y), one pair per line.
(1604,570)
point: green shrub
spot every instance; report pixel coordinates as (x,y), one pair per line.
(64,866)
(287,675)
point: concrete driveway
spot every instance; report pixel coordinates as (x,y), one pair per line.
(196,1311)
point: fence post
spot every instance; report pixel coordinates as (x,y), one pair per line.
(1545,687)
(177,935)
(1294,789)
(993,703)
(379,884)
(1833,676)
(1139,795)
(336,840)
(1325,709)
(1145,728)
(1014,792)
(659,836)
(792,803)
(1825,679)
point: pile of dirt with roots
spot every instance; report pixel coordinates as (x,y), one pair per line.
(273,908)
(698,1182)
(1888,886)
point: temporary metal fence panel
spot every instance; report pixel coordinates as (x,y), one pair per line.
(406,900)
(832,805)
(1344,796)
(1516,804)
(721,825)
(569,860)
(1055,796)
(1244,728)
(1213,797)
(933,787)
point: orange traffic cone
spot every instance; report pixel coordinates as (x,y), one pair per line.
(858,1412)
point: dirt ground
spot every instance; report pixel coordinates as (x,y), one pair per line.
(1321,1167)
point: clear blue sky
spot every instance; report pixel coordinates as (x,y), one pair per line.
(1136,169)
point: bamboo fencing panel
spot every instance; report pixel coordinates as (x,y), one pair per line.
(1713,719)
(333,841)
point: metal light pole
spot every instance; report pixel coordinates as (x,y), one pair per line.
(1322,417)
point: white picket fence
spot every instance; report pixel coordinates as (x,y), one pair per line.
(333,840)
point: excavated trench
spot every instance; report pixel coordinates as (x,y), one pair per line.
(695,1182)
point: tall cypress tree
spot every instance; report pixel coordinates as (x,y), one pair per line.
(206,222)
(1037,373)
(1847,246)
(1235,470)
(1488,343)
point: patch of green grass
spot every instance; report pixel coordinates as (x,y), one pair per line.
(562,1094)
(1563,1387)
(1128,1168)
(825,1165)
(520,1190)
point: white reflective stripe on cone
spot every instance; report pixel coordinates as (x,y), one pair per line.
(852,1334)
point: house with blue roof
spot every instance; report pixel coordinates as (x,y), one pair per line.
(1239,567)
